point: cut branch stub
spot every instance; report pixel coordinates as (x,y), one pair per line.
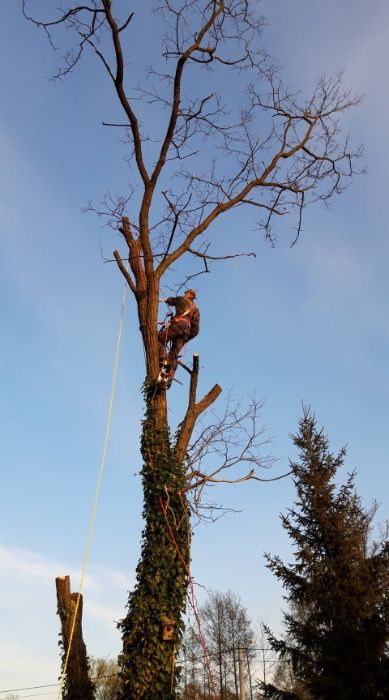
(194,410)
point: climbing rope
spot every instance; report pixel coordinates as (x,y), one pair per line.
(192,597)
(97,490)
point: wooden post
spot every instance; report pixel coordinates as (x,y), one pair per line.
(77,682)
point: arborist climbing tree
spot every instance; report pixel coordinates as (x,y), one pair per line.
(271,151)
(176,332)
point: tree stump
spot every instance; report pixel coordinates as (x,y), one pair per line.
(77,682)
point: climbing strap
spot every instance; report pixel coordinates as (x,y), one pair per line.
(97,490)
(181,316)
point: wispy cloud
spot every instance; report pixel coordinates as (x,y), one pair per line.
(18,565)
(27,603)
(16,562)
(102,612)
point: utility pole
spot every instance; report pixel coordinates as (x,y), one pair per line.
(242,692)
(249,671)
(185,671)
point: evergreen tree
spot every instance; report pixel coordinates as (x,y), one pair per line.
(337,625)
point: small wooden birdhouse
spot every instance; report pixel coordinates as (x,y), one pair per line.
(168,629)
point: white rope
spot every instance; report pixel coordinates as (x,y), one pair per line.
(97,490)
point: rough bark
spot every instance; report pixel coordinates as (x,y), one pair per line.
(77,682)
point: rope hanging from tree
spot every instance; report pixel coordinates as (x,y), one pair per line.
(97,490)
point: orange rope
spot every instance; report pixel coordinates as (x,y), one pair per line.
(192,599)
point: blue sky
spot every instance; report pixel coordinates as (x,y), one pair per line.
(302,324)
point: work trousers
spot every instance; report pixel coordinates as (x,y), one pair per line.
(177,333)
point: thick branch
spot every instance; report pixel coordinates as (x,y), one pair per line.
(135,259)
(194,381)
(168,139)
(231,202)
(194,410)
(124,272)
(118,81)
(196,46)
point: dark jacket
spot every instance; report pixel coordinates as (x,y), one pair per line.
(186,307)
(182,304)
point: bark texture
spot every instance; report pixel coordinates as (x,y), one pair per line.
(77,682)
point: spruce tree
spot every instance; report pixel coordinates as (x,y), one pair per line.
(337,623)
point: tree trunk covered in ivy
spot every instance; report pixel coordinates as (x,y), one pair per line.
(148,661)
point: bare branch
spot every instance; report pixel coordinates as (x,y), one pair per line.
(206,256)
(118,80)
(223,446)
(280,152)
(124,272)
(196,46)
(122,126)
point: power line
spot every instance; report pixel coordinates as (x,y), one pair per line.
(36,695)
(48,685)
(32,687)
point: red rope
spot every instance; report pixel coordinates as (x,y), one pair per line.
(192,599)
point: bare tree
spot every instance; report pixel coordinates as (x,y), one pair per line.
(105,676)
(274,152)
(226,628)
(193,666)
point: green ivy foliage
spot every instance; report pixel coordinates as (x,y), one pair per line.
(147,663)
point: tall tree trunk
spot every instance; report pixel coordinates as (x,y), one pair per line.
(77,682)
(148,659)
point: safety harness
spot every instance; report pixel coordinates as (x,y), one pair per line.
(186,313)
